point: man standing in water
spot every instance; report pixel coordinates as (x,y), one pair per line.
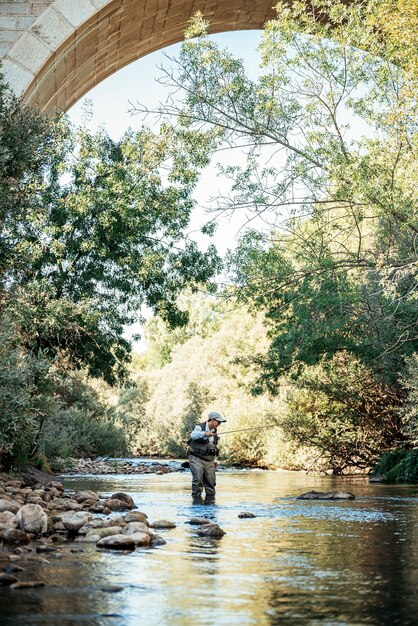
(202,452)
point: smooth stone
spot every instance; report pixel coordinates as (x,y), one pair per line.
(211,530)
(135,527)
(32,519)
(7,579)
(136,516)
(15,535)
(246,514)
(326,495)
(30,584)
(157,541)
(199,521)
(82,496)
(162,523)
(54,484)
(140,539)
(120,495)
(8,505)
(74,521)
(8,520)
(114,504)
(117,542)
(104,532)
(10,569)
(111,589)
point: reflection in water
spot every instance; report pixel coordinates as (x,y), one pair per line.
(298,562)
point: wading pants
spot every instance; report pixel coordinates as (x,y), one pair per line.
(203,475)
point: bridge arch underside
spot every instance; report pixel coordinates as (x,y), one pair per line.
(121,32)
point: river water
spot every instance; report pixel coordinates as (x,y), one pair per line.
(296,563)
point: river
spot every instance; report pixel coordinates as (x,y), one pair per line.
(296,563)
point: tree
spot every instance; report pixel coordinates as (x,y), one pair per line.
(103,235)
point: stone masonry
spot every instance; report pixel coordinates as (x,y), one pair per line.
(54,51)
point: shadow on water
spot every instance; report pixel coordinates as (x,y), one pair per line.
(297,562)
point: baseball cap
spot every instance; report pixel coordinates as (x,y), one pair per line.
(213,415)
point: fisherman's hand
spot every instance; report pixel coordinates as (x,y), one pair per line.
(208,433)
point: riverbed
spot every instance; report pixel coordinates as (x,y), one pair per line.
(296,563)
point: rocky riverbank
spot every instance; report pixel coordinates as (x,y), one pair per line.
(115,466)
(39,519)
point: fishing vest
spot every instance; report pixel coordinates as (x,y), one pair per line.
(202,448)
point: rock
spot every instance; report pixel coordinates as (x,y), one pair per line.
(74,521)
(377,479)
(29,584)
(114,504)
(199,521)
(10,569)
(111,589)
(156,540)
(117,542)
(8,520)
(8,505)
(102,532)
(124,497)
(211,530)
(135,527)
(136,516)
(7,579)
(82,496)
(162,523)
(327,495)
(14,535)
(32,519)
(141,539)
(54,484)
(246,514)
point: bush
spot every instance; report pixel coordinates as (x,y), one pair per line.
(400,466)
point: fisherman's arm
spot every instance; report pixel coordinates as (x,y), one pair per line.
(198,433)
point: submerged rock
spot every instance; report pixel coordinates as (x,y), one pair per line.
(246,514)
(326,495)
(199,521)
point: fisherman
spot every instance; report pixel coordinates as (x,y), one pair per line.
(202,453)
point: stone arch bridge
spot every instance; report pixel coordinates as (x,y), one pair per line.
(54,51)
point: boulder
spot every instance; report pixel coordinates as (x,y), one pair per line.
(136,516)
(117,542)
(8,520)
(8,505)
(74,521)
(14,535)
(199,521)
(327,495)
(54,484)
(32,519)
(93,536)
(114,504)
(162,523)
(211,530)
(246,514)
(124,497)
(82,496)
(141,539)
(135,527)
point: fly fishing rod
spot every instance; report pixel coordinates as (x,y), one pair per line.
(241,430)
